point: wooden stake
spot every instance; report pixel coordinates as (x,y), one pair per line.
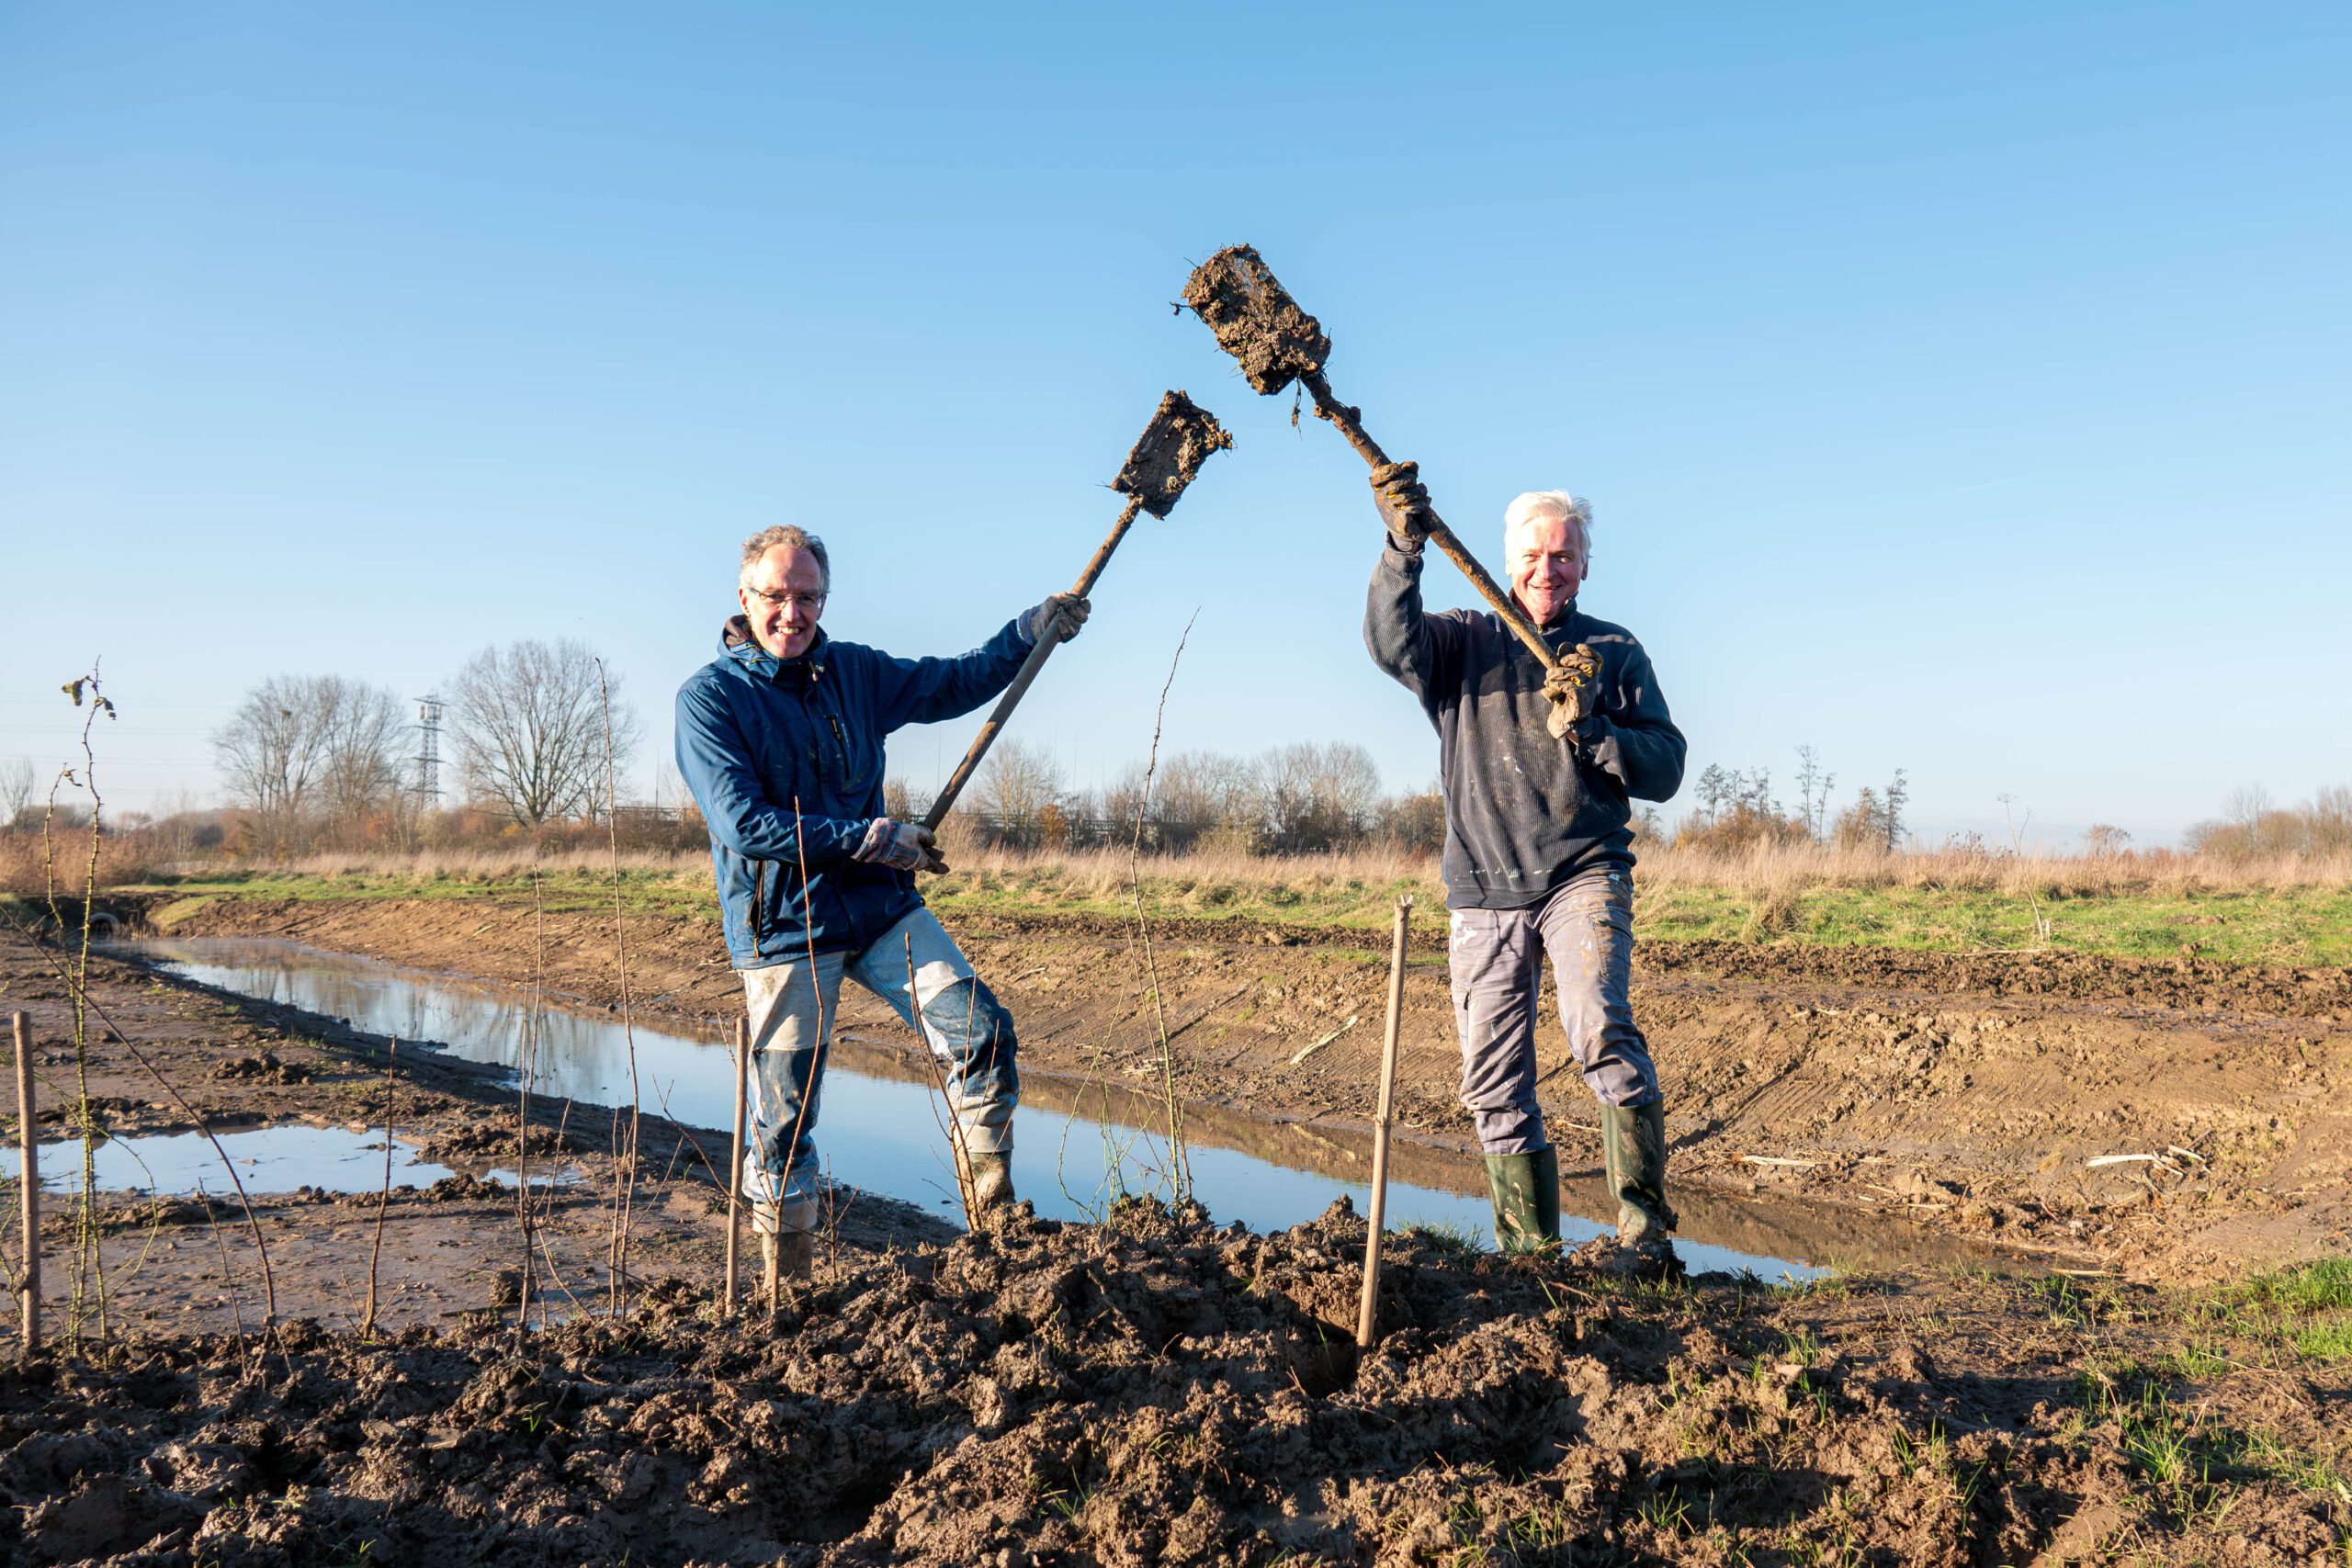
(1368,1313)
(29,1179)
(735,1171)
(384,1198)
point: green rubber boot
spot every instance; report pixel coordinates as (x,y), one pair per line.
(1632,1143)
(1526,1192)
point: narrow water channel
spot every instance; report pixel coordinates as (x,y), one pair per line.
(1076,1145)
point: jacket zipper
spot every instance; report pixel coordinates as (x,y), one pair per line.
(841,748)
(759,902)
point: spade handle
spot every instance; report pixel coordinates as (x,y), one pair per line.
(1048,640)
(1351,425)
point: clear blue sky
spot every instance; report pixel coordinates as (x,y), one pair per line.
(1961,390)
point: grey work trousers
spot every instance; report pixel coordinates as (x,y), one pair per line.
(1497,960)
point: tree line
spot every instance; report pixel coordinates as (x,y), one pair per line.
(533,729)
(1304,797)
(1736,809)
(2254,826)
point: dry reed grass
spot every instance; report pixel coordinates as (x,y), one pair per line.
(1205,878)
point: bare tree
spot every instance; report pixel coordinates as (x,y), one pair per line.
(1415,821)
(268,749)
(17,790)
(1875,821)
(1192,794)
(1814,783)
(305,745)
(1317,796)
(529,724)
(366,732)
(1021,790)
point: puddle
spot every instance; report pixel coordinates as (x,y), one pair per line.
(269,1159)
(1074,1144)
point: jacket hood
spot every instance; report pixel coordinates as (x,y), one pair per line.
(737,645)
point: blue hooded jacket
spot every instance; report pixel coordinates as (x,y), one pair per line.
(785,757)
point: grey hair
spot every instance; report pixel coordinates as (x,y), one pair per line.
(782,533)
(1550,506)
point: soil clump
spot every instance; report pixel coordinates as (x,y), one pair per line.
(1154,1390)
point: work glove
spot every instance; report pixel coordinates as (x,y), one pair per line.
(1574,689)
(902,846)
(1404,503)
(1072,609)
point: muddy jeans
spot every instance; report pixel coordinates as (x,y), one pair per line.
(792,1007)
(1496,959)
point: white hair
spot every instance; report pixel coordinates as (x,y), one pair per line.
(1550,506)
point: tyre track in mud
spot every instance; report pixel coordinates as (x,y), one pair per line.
(1965,1091)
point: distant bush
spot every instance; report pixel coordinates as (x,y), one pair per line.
(2252,829)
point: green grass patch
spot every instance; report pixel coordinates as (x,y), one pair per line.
(2274,926)
(2306,1308)
(2287,925)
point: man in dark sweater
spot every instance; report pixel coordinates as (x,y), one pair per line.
(1538,775)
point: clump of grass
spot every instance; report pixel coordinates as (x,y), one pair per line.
(1461,1239)
(2307,1307)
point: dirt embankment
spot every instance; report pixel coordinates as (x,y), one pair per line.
(1964,1092)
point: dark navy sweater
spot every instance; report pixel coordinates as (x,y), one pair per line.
(1524,812)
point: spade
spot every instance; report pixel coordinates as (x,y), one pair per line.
(1259,323)
(1175,443)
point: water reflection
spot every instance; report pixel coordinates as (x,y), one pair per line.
(1075,1143)
(269,1159)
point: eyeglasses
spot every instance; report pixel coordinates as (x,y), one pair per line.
(812,602)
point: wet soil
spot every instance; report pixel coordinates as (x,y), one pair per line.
(1966,1092)
(1156,1390)
(1168,458)
(1255,318)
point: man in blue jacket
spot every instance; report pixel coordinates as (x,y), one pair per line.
(1538,771)
(780,738)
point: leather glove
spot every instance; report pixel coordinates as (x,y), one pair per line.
(902,846)
(1574,692)
(1072,610)
(1404,502)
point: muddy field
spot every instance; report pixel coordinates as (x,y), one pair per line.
(1967,1092)
(1156,1391)
(1152,1390)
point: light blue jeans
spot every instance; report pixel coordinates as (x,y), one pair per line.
(1496,958)
(792,1007)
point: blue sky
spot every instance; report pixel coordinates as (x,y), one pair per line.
(1962,391)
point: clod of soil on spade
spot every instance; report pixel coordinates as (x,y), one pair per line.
(1175,443)
(1255,320)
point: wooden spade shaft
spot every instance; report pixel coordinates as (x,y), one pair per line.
(1048,639)
(1349,421)
(1368,1313)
